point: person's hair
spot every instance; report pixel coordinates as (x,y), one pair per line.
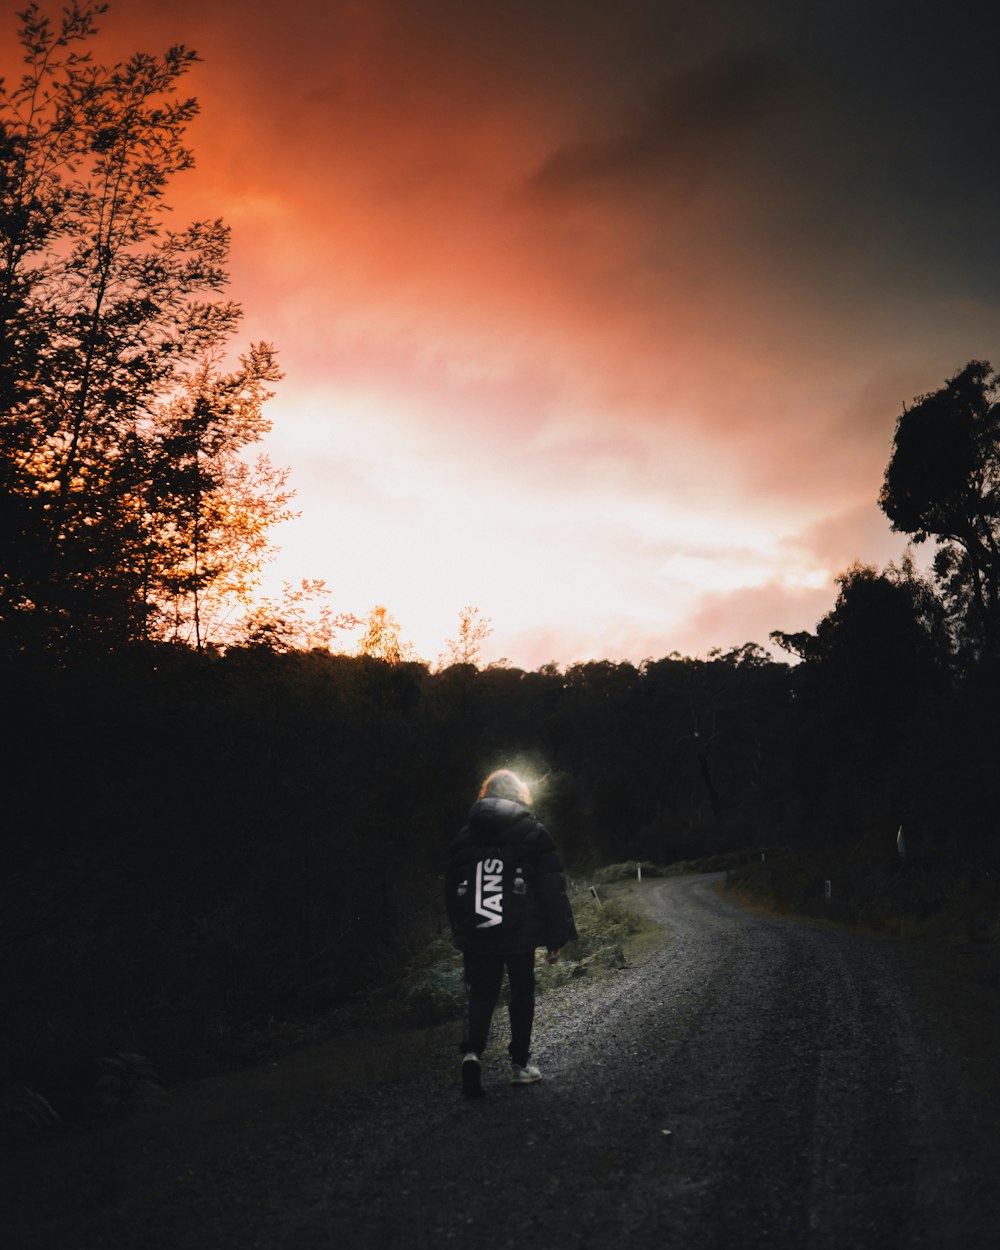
(503,784)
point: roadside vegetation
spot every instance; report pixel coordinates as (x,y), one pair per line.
(607,928)
(145,1159)
(875,891)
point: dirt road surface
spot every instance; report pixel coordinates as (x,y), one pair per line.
(751,1083)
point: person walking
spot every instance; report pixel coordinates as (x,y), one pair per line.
(505,896)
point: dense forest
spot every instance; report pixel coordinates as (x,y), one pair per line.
(211,817)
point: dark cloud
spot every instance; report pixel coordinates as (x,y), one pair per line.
(688,125)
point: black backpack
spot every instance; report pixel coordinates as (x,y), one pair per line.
(491,892)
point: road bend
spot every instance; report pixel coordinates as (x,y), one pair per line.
(750,1083)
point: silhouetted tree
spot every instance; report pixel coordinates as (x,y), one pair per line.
(473,630)
(943,481)
(102,309)
(869,702)
(882,642)
(211,511)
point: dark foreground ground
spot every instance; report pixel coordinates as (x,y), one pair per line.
(748,1082)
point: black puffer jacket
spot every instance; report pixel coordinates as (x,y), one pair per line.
(545,917)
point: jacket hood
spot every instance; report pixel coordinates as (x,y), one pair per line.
(495,813)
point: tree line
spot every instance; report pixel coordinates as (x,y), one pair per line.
(197,843)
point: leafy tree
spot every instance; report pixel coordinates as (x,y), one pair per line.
(301,620)
(943,481)
(104,312)
(473,630)
(381,638)
(211,510)
(883,638)
(869,701)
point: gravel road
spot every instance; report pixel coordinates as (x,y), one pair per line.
(750,1083)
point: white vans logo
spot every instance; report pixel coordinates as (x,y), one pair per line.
(489,892)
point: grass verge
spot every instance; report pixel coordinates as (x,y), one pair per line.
(432,989)
(942,928)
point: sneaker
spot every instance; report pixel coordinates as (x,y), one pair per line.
(472,1077)
(526,1075)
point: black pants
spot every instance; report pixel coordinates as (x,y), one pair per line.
(483,978)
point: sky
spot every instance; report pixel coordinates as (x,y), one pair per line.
(595,314)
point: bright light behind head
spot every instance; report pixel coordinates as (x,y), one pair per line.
(528,770)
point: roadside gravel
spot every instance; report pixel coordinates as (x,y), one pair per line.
(748,1083)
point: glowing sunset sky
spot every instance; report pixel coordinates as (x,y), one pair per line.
(597,314)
